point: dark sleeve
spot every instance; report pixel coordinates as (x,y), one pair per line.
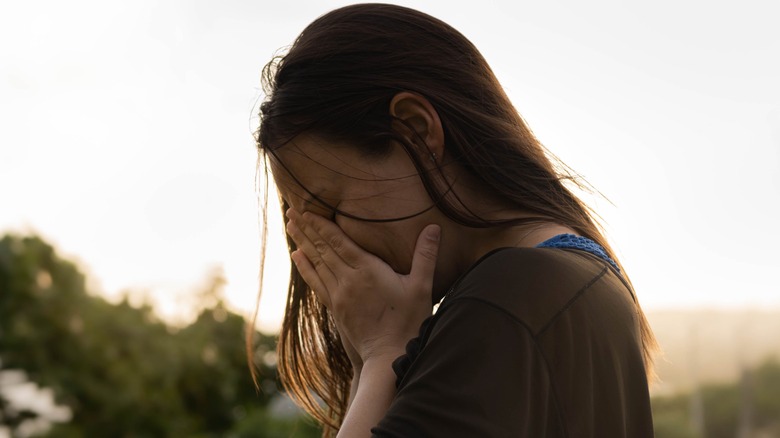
(479,374)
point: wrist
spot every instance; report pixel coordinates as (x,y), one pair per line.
(385,356)
(371,394)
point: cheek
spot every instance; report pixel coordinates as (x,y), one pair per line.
(385,241)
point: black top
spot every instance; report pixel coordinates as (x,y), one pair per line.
(531,342)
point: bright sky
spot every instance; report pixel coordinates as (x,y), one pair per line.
(125,134)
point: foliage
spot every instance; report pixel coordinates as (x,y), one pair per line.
(120,370)
(672,417)
(751,404)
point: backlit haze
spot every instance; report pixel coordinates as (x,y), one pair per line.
(125,136)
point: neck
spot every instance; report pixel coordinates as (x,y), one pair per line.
(463,246)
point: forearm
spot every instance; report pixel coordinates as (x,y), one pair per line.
(370,399)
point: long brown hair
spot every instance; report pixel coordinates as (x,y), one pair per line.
(337,81)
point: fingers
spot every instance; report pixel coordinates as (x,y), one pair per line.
(311,254)
(426,251)
(329,260)
(328,240)
(311,277)
(326,256)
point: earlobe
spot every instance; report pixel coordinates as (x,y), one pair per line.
(418,114)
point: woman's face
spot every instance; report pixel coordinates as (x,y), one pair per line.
(365,187)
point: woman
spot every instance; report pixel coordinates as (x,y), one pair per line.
(408,179)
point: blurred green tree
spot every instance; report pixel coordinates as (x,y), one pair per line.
(118,368)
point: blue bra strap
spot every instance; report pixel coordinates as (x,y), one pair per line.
(578,242)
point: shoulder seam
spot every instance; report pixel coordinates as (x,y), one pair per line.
(552,319)
(617,273)
(572,300)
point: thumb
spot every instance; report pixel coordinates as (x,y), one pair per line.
(425,254)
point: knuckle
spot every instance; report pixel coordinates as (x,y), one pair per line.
(321,247)
(336,242)
(317,262)
(428,253)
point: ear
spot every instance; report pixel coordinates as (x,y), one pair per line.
(421,116)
